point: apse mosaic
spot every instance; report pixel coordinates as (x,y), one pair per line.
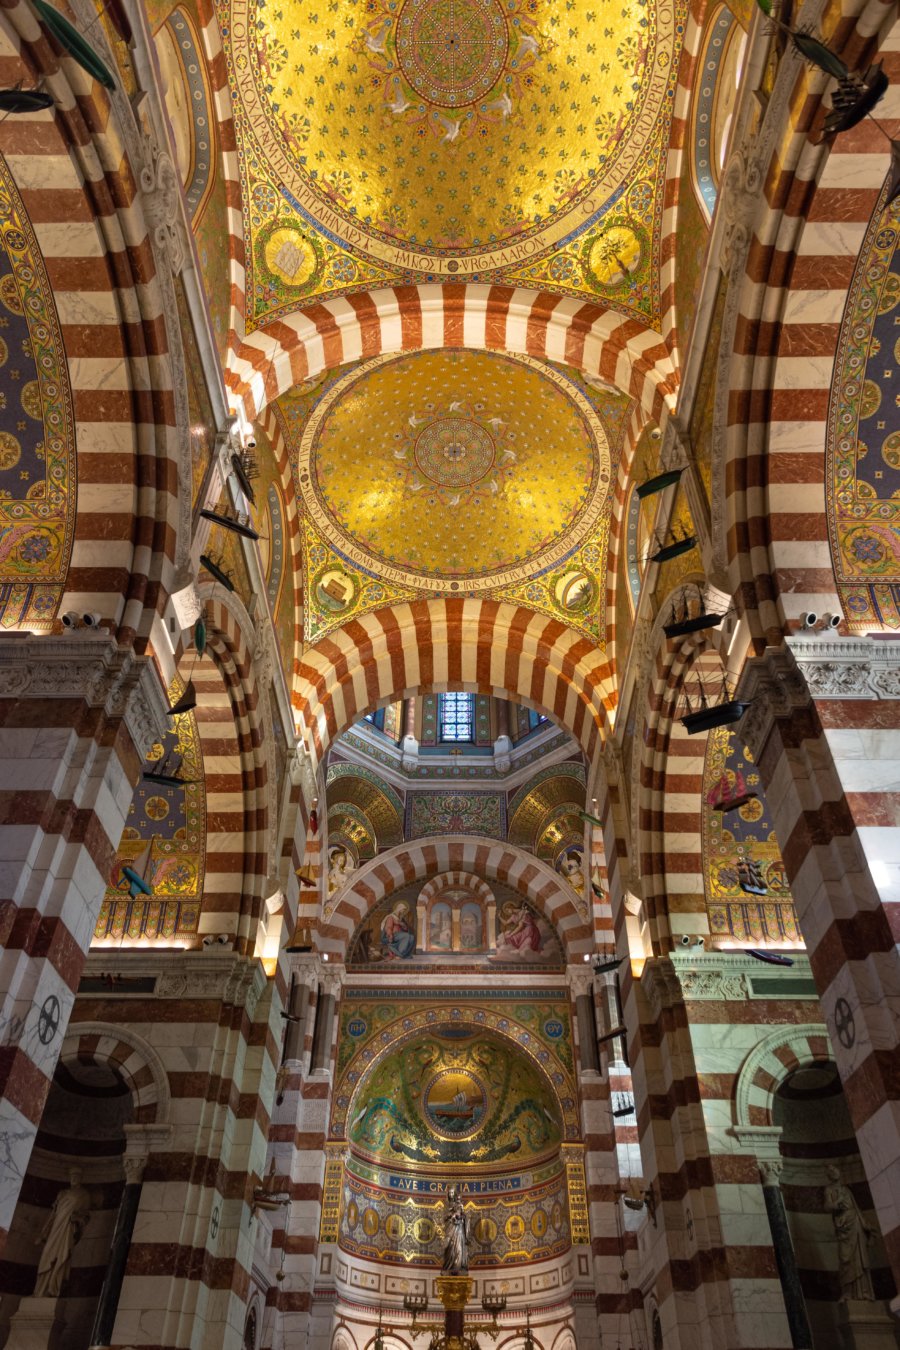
(747,893)
(382,142)
(423,474)
(164,842)
(455,1097)
(37,433)
(455,927)
(864,436)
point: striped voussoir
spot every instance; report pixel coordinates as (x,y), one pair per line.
(671,778)
(801,259)
(133,1060)
(620,350)
(236,761)
(428,859)
(81,192)
(482,645)
(456,880)
(778,1055)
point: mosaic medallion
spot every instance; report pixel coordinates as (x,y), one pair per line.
(455,1103)
(454,452)
(452,52)
(441,465)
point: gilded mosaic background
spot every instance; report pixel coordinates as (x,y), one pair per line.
(37,435)
(864,436)
(747,894)
(380,143)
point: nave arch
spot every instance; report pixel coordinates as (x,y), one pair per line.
(425,859)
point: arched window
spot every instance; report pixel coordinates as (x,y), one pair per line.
(720,70)
(456,717)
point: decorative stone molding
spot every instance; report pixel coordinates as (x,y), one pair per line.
(161,193)
(92,667)
(741,198)
(206,974)
(848,668)
(660,985)
(713,984)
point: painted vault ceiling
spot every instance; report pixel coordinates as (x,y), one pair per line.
(454,472)
(383,141)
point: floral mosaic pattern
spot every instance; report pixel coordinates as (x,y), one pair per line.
(747,893)
(37,438)
(864,436)
(165,841)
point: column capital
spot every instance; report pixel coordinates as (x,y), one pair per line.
(90,666)
(580,979)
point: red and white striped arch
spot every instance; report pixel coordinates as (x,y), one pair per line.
(620,350)
(819,196)
(74,169)
(475,644)
(131,1057)
(431,858)
(451,881)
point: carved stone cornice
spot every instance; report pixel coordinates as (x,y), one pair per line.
(848,668)
(206,974)
(715,983)
(89,666)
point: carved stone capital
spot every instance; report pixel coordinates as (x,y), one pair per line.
(660,985)
(774,687)
(580,979)
(89,666)
(770,1170)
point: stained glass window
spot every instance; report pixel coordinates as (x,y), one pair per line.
(456,717)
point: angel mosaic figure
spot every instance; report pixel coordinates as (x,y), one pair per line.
(456,1234)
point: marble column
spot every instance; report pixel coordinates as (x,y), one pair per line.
(770,1170)
(105,1317)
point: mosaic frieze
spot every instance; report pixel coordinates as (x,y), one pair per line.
(747,894)
(518,1225)
(459,811)
(864,435)
(37,437)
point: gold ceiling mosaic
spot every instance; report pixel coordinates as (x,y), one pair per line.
(389,140)
(454,473)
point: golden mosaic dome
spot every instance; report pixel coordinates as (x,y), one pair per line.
(441,466)
(451,136)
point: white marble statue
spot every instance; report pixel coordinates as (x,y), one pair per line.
(64,1227)
(853,1237)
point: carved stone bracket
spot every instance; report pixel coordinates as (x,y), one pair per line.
(660,985)
(91,667)
(774,687)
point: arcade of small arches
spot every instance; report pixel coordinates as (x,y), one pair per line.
(449,677)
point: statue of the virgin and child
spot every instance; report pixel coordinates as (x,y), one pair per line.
(456,1235)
